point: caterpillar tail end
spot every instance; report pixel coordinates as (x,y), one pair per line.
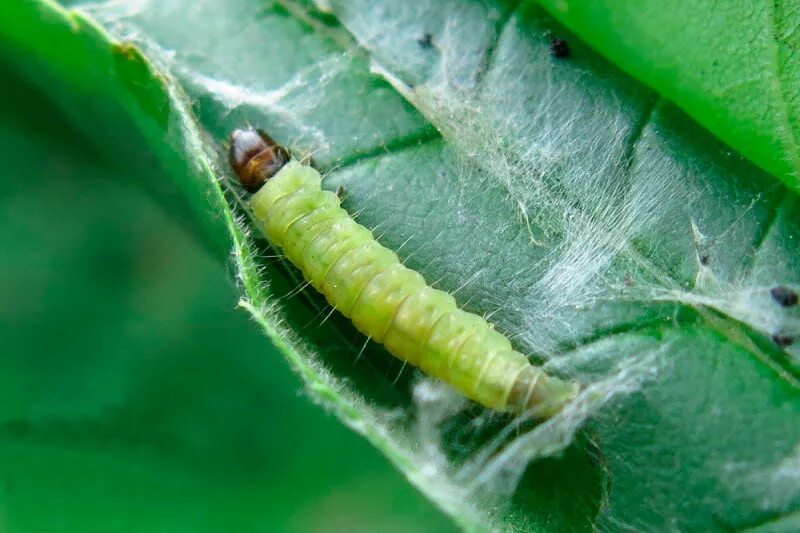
(542,395)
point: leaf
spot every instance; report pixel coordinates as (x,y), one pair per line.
(735,68)
(123,404)
(604,232)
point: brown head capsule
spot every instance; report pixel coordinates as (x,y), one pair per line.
(255,157)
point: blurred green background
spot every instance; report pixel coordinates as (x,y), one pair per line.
(133,396)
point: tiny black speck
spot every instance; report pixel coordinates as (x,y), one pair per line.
(559,48)
(785,296)
(426,41)
(705,259)
(782,340)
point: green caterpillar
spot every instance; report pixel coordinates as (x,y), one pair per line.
(385,300)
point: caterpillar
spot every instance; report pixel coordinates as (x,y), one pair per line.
(385,300)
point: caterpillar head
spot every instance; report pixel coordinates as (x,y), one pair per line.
(255,157)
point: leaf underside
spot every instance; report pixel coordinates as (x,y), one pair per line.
(604,232)
(735,68)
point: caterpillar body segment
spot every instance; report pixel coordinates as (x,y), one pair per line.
(385,300)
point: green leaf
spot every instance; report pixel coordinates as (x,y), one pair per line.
(609,236)
(735,68)
(123,406)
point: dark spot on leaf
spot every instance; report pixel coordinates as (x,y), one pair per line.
(559,48)
(705,259)
(426,41)
(785,296)
(782,340)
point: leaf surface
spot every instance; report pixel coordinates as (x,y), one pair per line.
(608,235)
(733,67)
